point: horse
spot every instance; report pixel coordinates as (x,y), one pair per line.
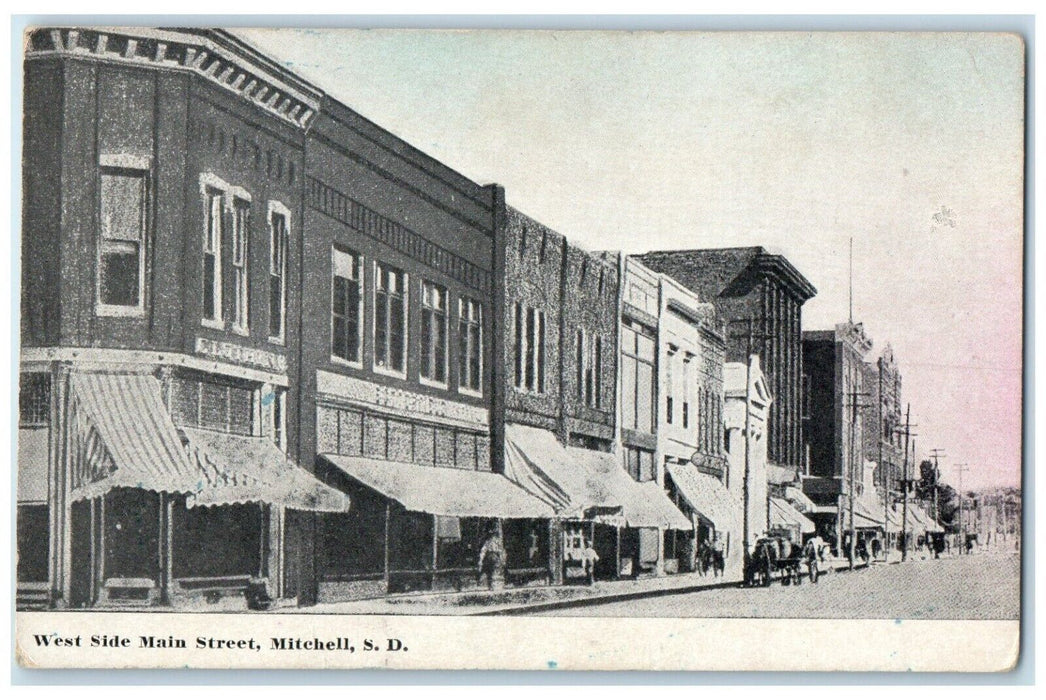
(762,563)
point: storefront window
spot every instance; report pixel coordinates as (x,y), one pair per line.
(34,400)
(228,408)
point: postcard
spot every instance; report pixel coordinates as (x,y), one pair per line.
(507,349)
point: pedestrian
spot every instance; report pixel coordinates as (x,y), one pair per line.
(491,558)
(589,557)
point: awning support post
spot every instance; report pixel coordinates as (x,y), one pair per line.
(387,572)
(435,548)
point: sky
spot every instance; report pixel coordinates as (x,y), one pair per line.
(910,144)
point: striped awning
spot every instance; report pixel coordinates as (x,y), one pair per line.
(783,514)
(442,491)
(574,481)
(251,469)
(124,437)
(706,495)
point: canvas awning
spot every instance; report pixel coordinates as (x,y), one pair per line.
(124,437)
(868,515)
(920,520)
(893,520)
(706,495)
(572,479)
(246,469)
(33,453)
(784,514)
(800,500)
(443,491)
(777,474)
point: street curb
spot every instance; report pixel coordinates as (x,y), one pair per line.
(601,599)
(624,597)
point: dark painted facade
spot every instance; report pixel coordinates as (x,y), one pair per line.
(163,174)
(760,294)
(396,361)
(834,430)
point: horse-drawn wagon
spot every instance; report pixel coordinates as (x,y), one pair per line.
(780,556)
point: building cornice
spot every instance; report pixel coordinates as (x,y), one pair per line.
(213,55)
(778,267)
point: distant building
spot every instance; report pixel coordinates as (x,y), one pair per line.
(833,421)
(689,460)
(884,421)
(754,291)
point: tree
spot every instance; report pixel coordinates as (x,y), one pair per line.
(930,485)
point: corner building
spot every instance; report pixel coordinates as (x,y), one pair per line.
(161,263)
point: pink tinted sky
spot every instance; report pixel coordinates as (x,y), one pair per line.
(911,144)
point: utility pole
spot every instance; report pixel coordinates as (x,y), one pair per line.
(854,406)
(962,469)
(749,336)
(936,453)
(882,467)
(905,481)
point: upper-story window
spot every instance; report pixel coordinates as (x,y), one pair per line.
(346,305)
(589,368)
(212,256)
(637,379)
(470,344)
(805,396)
(390,318)
(434,332)
(278,417)
(639,464)
(529,348)
(241,217)
(279,226)
(121,244)
(670,387)
(34,400)
(687,358)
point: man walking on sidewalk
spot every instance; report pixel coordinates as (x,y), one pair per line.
(491,558)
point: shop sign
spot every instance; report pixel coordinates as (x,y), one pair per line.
(231,352)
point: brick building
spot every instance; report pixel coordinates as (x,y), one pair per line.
(161,265)
(558,411)
(759,293)
(233,285)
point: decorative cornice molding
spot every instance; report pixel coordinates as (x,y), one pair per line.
(221,63)
(342,208)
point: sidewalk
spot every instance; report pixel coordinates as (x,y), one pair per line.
(531,599)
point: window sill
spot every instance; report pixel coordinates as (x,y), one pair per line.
(425,381)
(378,369)
(342,362)
(240,330)
(119,311)
(215,323)
(470,392)
(276,340)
